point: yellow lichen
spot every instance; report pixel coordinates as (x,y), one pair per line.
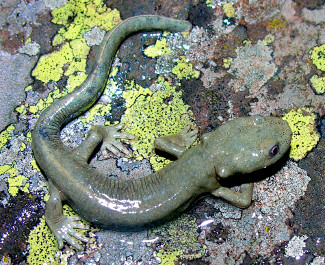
(150,115)
(268,39)
(71,57)
(22,109)
(43,244)
(227,62)
(5,135)
(277,23)
(183,69)
(318,84)
(86,15)
(22,146)
(34,165)
(28,88)
(97,110)
(210,4)
(50,67)
(229,10)
(304,134)
(159,49)
(16,181)
(317,55)
(168,258)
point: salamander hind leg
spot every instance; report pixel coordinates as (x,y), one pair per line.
(176,144)
(63,227)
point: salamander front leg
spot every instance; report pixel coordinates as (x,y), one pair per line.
(63,227)
(176,144)
(108,136)
(241,200)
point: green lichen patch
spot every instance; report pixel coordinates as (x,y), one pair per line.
(318,84)
(179,240)
(317,55)
(304,134)
(150,115)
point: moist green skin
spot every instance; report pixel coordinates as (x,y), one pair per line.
(239,146)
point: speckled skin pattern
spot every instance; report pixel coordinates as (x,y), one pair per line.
(239,146)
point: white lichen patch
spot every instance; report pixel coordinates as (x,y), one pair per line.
(295,247)
(94,36)
(259,228)
(252,67)
(31,48)
(318,261)
(52,4)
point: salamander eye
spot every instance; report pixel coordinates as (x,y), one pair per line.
(274,150)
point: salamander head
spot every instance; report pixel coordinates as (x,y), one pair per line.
(247,144)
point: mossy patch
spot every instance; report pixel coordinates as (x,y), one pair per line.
(304,134)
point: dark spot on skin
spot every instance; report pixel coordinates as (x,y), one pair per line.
(91,90)
(44,133)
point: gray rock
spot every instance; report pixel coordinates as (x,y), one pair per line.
(14,77)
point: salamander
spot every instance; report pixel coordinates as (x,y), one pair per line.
(239,146)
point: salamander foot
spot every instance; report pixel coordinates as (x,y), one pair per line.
(64,230)
(111,142)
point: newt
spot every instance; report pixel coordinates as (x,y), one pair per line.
(239,146)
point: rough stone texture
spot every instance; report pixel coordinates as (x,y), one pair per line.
(14,77)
